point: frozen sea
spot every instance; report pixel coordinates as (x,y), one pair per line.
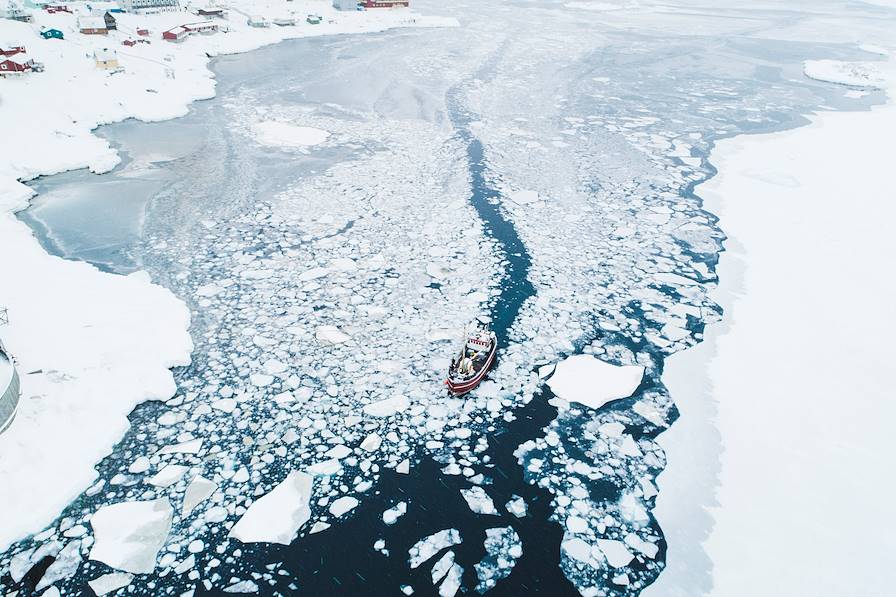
(535,166)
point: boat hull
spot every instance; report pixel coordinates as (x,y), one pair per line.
(459,388)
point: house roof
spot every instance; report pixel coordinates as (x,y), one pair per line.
(91,23)
(105,55)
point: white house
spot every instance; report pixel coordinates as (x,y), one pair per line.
(149,6)
(106,59)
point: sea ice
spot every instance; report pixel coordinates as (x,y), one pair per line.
(392,515)
(197,492)
(129,535)
(615,551)
(429,546)
(517,506)
(277,516)
(502,549)
(189,447)
(387,407)
(108,583)
(587,380)
(283,134)
(330,334)
(342,505)
(441,567)
(479,501)
(169,475)
(452,581)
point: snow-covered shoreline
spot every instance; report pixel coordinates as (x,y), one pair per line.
(92,345)
(774,466)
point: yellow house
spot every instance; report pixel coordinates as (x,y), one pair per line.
(106,59)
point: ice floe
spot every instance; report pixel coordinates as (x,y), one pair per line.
(284,134)
(590,381)
(277,516)
(479,501)
(129,535)
(503,548)
(108,583)
(426,548)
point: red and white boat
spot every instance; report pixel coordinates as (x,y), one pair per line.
(476,357)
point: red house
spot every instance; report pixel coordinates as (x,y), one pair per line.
(385,3)
(143,32)
(9,66)
(178,33)
(12,51)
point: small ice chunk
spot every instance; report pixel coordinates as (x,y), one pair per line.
(426,548)
(523,197)
(371,442)
(338,452)
(404,467)
(452,581)
(517,506)
(261,380)
(129,535)
(442,566)
(646,547)
(330,334)
(577,549)
(226,405)
(391,515)
(621,579)
(479,501)
(169,475)
(64,566)
(615,551)
(325,468)
(110,582)
(342,505)
(387,407)
(197,492)
(277,516)
(140,465)
(191,447)
(243,587)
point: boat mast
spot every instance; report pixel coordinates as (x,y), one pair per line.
(463,345)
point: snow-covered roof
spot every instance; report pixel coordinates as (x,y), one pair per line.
(105,54)
(103,5)
(91,23)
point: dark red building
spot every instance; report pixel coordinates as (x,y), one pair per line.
(11,66)
(12,51)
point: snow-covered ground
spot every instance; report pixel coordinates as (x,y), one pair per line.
(776,481)
(92,345)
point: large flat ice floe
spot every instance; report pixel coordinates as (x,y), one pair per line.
(90,347)
(277,516)
(795,453)
(129,535)
(283,134)
(853,74)
(592,382)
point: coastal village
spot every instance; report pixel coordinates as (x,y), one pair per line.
(145,21)
(67,67)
